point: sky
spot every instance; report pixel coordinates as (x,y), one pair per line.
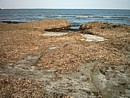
(65,4)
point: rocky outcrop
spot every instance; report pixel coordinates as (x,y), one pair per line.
(41,25)
(107,30)
(101,25)
(45,24)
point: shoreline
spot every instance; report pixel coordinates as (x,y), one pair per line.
(69,28)
(72,65)
(12,22)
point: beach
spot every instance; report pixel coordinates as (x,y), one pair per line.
(48,58)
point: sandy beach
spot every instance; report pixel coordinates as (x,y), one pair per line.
(36,60)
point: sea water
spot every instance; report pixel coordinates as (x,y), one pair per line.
(75,16)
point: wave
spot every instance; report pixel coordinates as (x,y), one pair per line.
(60,15)
(87,16)
(102,16)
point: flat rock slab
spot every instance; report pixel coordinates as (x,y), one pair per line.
(54,34)
(74,84)
(89,81)
(86,37)
(95,38)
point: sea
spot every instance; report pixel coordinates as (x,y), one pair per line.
(76,17)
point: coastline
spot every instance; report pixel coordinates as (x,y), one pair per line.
(53,63)
(76,18)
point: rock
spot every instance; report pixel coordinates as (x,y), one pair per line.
(95,38)
(45,24)
(101,25)
(54,34)
(112,84)
(107,30)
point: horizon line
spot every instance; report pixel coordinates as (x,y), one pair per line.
(71,8)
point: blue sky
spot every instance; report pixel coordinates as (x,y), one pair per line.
(72,4)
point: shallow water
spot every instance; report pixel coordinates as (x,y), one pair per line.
(75,16)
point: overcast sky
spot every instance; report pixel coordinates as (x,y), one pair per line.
(67,4)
